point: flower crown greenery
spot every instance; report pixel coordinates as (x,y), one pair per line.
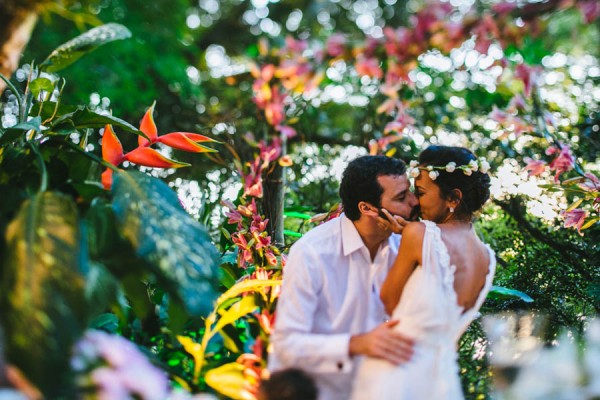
(480,165)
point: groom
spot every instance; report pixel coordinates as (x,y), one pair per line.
(329,310)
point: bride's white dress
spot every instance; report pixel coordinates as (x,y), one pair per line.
(429,313)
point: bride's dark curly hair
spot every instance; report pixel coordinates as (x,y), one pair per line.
(475,188)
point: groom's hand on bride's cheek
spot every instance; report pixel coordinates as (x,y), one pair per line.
(383,342)
(394,223)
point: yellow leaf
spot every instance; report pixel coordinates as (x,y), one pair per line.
(574,205)
(245,286)
(245,306)
(228,380)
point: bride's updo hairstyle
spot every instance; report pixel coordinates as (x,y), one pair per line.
(474,185)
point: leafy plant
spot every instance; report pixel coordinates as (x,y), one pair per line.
(73,251)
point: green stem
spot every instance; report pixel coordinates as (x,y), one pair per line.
(91,155)
(44,182)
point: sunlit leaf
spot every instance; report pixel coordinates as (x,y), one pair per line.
(228,380)
(243,307)
(69,52)
(43,310)
(178,248)
(41,84)
(245,286)
(499,292)
(295,214)
(575,204)
(590,223)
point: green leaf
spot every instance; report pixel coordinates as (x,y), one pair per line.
(499,292)
(83,117)
(41,84)
(15,132)
(42,291)
(295,214)
(287,232)
(178,248)
(69,52)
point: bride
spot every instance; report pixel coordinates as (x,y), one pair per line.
(438,282)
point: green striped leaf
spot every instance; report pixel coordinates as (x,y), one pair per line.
(177,248)
(42,291)
(69,52)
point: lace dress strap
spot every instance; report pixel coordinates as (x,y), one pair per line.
(436,262)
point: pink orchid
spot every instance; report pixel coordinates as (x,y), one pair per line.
(535,167)
(574,218)
(295,46)
(504,8)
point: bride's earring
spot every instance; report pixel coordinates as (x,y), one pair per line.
(451,209)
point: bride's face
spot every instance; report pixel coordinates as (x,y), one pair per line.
(432,204)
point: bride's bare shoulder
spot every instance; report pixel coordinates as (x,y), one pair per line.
(414,229)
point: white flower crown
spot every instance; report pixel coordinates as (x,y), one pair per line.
(480,165)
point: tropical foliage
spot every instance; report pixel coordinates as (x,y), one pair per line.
(281,109)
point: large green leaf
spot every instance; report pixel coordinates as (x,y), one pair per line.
(499,292)
(42,291)
(69,52)
(83,117)
(178,248)
(17,131)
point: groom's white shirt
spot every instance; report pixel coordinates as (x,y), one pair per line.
(330,292)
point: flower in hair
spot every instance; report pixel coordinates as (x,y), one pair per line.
(480,165)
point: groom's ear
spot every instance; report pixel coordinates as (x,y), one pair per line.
(365,208)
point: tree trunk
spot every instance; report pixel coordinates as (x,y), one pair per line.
(274,191)
(16,25)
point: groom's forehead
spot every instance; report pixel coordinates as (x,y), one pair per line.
(394,184)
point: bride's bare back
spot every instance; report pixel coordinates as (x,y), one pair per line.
(471,259)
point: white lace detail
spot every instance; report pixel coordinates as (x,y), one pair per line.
(447,271)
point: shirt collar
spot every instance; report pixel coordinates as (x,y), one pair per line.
(351,240)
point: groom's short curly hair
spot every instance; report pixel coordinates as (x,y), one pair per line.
(359,181)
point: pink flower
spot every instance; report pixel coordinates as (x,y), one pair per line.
(562,163)
(258,224)
(336,45)
(286,131)
(590,9)
(249,210)
(528,75)
(535,167)
(269,153)
(592,183)
(504,8)
(244,251)
(270,256)
(574,218)
(369,67)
